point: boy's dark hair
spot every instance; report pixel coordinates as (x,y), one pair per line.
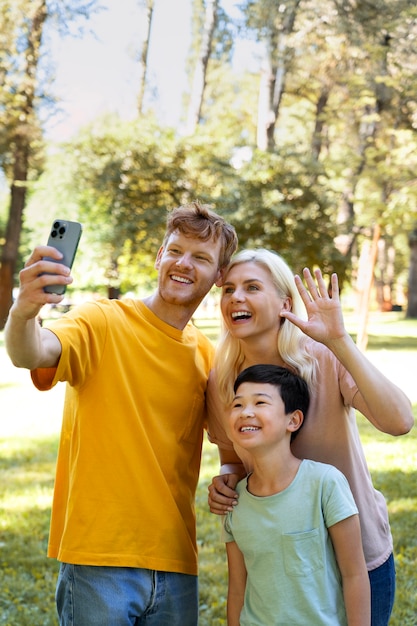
(292,388)
(198,220)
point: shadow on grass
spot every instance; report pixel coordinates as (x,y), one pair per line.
(399,490)
(27,576)
(28,453)
(387,342)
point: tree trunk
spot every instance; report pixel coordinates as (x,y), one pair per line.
(200,72)
(317,141)
(13,230)
(143,60)
(273,75)
(21,156)
(368,269)
(412,275)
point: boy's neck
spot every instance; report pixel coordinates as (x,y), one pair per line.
(271,476)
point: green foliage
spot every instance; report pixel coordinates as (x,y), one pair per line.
(283,206)
(119,179)
(345,156)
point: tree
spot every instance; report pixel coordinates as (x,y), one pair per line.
(337,163)
(205,39)
(412,277)
(23,25)
(118,178)
(22,128)
(143,56)
(282,208)
(274,22)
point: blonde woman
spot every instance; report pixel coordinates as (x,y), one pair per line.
(263,307)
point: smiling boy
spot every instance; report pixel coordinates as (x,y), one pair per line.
(293,542)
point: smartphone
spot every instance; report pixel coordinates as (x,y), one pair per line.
(64,236)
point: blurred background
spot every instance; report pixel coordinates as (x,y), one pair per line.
(296,120)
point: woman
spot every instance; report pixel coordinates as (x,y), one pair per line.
(262,309)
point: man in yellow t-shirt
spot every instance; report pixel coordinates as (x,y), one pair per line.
(123,521)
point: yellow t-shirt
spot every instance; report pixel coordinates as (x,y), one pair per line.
(131,438)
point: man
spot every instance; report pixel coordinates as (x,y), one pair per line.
(123,522)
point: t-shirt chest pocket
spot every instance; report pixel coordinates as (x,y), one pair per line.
(302,552)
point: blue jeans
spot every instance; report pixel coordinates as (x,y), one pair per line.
(382,581)
(125,596)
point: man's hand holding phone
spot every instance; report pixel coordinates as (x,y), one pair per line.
(47,272)
(64,236)
(38,273)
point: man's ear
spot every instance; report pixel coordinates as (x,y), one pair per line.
(158,257)
(220,277)
(296,420)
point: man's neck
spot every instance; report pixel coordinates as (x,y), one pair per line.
(172,314)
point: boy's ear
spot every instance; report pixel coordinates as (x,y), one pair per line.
(296,420)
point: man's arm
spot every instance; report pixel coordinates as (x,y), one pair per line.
(27,344)
(383,403)
(347,543)
(237,583)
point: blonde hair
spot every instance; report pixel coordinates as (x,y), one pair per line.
(291,344)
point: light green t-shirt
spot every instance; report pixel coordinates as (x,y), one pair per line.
(293,577)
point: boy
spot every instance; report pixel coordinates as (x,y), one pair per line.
(293,542)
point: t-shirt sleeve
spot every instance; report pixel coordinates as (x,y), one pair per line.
(226,534)
(337,499)
(82,333)
(44,378)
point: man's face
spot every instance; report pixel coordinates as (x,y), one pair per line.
(188,268)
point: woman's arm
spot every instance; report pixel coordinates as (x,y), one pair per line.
(380,400)
(237,583)
(347,543)
(222,495)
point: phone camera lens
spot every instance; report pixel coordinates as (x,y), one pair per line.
(56,225)
(62,231)
(54,234)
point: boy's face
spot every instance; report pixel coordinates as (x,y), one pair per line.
(257,416)
(188,268)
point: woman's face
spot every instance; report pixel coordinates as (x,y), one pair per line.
(250,303)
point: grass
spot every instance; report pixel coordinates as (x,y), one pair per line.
(29,429)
